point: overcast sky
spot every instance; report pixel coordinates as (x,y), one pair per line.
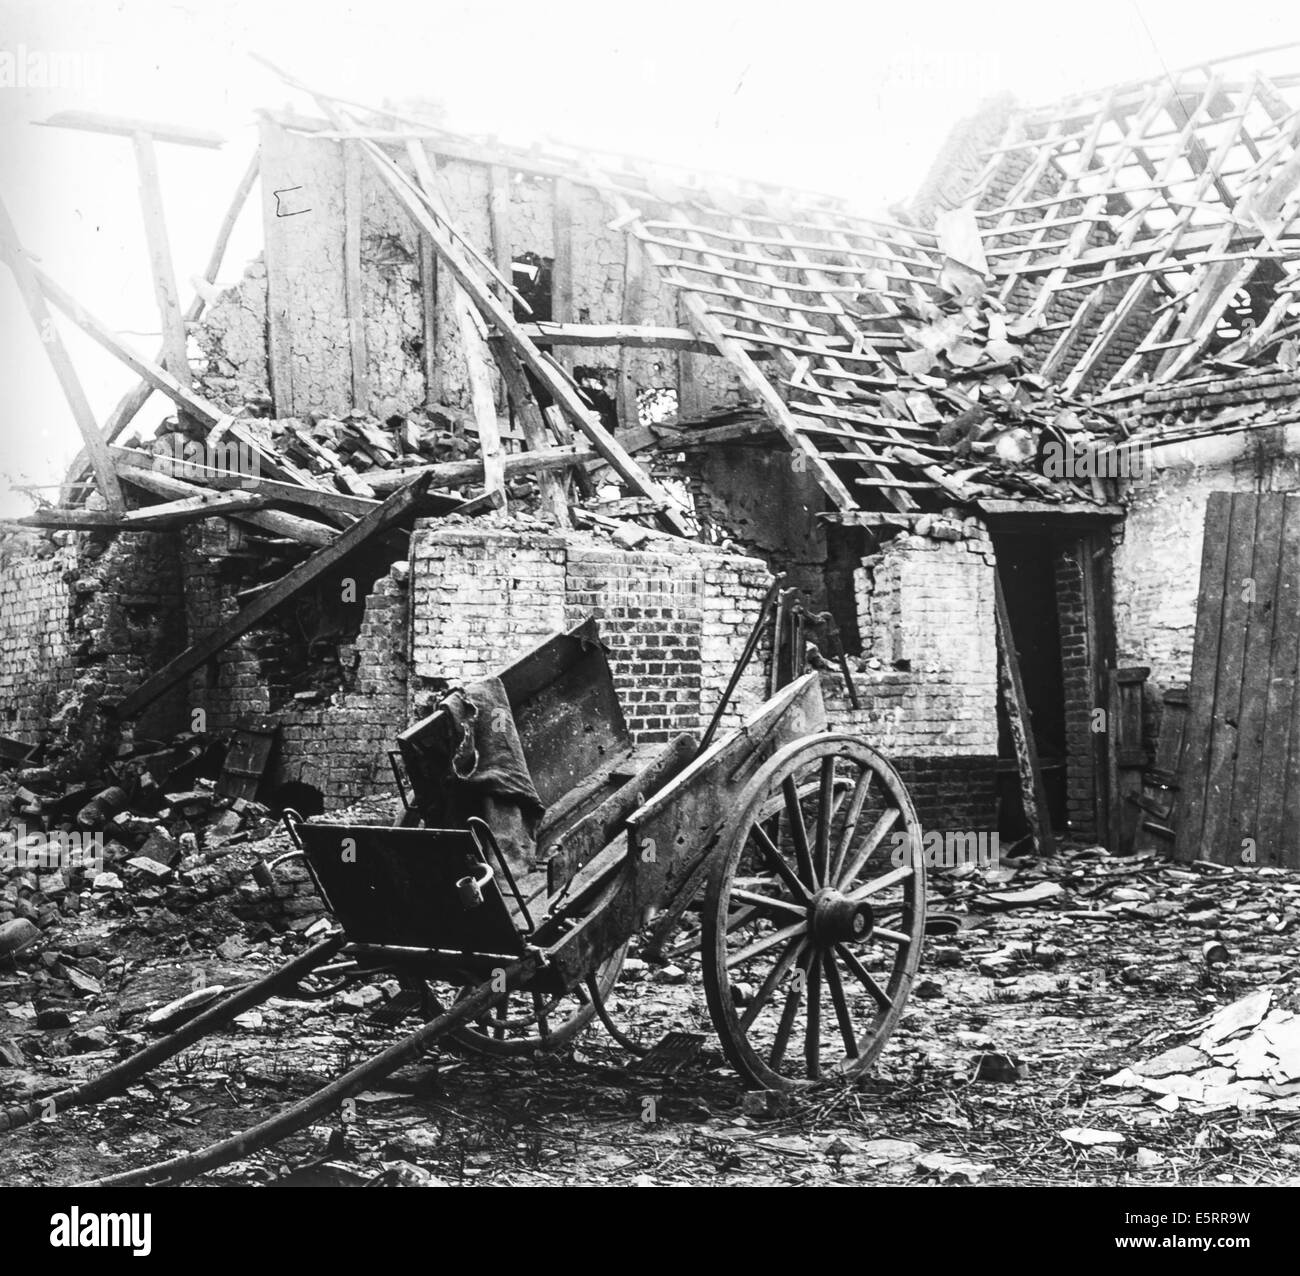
(850,97)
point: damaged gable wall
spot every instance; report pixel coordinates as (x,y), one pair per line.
(305,311)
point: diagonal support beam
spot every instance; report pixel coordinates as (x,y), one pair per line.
(402,502)
(30,285)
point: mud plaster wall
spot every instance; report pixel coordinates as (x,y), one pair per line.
(767,503)
(1157,567)
(300,290)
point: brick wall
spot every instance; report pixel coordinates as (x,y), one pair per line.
(341,748)
(37,662)
(675,622)
(81,624)
(925,613)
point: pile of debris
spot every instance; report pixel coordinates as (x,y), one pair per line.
(962,368)
(341,452)
(151,839)
(1242,1057)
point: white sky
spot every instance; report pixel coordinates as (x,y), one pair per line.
(853,97)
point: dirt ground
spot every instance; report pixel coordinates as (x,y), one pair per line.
(997,1074)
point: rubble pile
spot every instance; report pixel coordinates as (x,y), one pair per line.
(963,367)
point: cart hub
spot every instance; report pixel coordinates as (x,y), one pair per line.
(836,919)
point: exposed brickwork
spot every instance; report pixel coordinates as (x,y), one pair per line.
(37,649)
(925,612)
(480,599)
(81,628)
(675,623)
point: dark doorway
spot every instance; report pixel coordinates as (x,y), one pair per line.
(1027,566)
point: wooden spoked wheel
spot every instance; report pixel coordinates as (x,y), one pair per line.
(528,1023)
(815,915)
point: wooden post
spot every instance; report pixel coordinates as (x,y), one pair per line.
(474,345)
(352,284)
(1032,793)
(174,337)
(562,280)
(533,425)
(29,285)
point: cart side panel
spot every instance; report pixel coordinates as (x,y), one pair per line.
(670,835)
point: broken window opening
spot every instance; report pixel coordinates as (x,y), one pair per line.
(531,276)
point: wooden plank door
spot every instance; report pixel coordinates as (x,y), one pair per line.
(1240,782)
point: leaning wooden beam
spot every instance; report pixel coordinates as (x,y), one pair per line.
(29,284)
(170,514)
(473,346)
(569,401)
(197,406)
(1033,794)
(403,502)
(482,401)
(275,521)
(135,398)
(336,504)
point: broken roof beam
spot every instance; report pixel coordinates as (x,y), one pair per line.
(630,335)
(274,521)
(338,505)
(402,503)
(459,473)
(160,379)
(30,283)
(150,517)
(122,126)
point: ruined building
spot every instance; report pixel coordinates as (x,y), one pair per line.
(979,437)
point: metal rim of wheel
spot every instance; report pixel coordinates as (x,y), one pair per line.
(528,1023)
(812,908)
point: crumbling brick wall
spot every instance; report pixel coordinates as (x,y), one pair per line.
(675,623)
(81,627)
(926,616)
(37,649)
(337,741)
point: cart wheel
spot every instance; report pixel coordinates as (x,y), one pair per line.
(528,1023)
(813,920)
